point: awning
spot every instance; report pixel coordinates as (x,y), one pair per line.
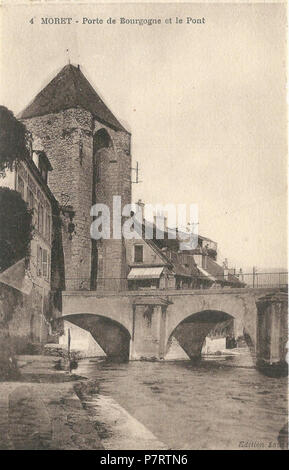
(206,274)
(145,273)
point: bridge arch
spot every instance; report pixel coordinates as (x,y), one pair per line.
(192,331)
(112,336)
(114,307)
(191,317)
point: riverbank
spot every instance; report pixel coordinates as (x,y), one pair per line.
(50,409)
(117,428)
(142,405)
(217,404)
(42,411)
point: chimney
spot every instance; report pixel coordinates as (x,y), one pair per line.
(141,207)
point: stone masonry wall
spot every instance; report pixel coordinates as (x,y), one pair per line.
(21,317)
(67,138)
(115,180)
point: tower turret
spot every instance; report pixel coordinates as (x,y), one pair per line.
(89,151)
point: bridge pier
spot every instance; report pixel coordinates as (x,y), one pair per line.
(272,334)
(148,341)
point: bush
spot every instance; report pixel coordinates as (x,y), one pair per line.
(15,228)
(13,140)
(8,364)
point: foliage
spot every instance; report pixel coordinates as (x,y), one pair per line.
(13,140)
(8,363)
(15,228)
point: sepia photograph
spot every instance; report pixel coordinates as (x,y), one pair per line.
(143,228)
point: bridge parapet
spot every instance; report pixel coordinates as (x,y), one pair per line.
(248,280)
(257,291)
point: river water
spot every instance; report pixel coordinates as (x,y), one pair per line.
(222,403)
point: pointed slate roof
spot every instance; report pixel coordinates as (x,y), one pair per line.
(69,89)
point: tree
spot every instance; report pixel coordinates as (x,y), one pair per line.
(13,140)
(15,235)
(15,228)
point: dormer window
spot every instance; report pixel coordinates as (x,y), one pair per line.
(43,172)
(29,145)
(43,164)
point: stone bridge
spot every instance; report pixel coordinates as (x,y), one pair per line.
(139,324)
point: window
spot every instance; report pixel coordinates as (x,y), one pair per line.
(39,260)
(30,199)
(35,217)
(48,266)
(44,263)
(44,174)
(101,140)
(138,253)
(44,223)
(97,169)
(42,167)
(48,226)
(20,186)
(40,218)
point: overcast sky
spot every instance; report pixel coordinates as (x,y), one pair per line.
(206,106)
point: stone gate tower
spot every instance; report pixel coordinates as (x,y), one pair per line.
(90,154)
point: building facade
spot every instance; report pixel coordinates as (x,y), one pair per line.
(29,178)
(162,263)
(29,322)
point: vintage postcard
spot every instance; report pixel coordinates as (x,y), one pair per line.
(143,228)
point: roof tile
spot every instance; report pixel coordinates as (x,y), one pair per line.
(69,89)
